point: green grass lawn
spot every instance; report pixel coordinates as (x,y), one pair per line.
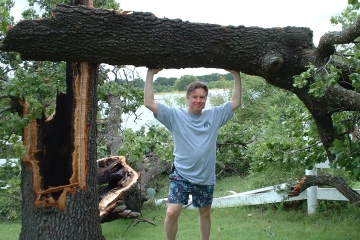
(245,223)
(9,231)
(333,221)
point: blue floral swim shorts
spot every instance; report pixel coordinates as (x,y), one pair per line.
(180,189)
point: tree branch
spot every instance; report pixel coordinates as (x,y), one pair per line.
(5,109)
(326,180)
(328,40)
(11,196)
(142,39)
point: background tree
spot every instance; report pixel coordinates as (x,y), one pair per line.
(215,77)
(184,81)
(120,92)
(162,84)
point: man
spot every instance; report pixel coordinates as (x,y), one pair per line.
(194,133)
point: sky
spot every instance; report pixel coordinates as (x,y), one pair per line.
(314,14)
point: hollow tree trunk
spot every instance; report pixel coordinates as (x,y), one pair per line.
(59,184)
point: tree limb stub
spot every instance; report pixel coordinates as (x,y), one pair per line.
(83,34)
(323,180)
(327,41)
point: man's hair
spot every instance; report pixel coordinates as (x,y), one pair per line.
(197,84)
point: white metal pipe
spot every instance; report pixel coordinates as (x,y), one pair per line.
(312,202)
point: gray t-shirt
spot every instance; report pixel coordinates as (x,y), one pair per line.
(194,139)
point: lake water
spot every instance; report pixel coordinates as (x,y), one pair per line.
(146,117)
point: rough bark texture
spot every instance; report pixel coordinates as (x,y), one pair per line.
(113,122)
(142,39)
(326,180)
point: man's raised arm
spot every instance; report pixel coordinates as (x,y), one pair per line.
(236,95)
(149,100)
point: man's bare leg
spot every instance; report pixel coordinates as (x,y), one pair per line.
(171,221)
(205,222)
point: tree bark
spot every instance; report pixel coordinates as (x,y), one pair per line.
(122,190)
(151,168)
(112,124)
(142,39)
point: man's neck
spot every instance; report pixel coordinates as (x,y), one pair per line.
(195,113)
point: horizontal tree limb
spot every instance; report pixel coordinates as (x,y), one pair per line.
(82,33)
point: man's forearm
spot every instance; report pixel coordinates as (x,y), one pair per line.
(236,95)
(149,99)
(149,89)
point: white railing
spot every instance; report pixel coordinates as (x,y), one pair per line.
(276,194)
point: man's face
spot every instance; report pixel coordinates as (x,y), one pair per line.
(196,100)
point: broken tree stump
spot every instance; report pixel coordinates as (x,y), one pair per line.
(119,195)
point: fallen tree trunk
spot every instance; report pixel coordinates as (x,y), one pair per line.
(122,190)
(119,195)
(142,39)
(326,180)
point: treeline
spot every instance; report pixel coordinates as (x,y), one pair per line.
(163,84)
(214,80)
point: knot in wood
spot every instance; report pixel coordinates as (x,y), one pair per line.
(272,62)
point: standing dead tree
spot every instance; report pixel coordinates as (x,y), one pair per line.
(85,34)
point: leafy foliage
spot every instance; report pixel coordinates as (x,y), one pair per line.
(129,90)
(139,143)
(346,146)
(5,18)
(273,131)
(10,194)
(163,84)
(184,81)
